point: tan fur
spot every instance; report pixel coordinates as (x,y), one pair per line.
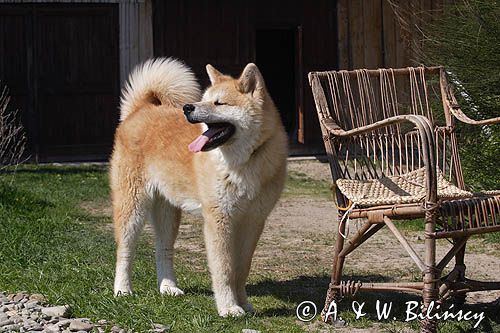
(153,176)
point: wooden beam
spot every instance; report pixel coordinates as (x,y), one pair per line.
(356,240)
(343,43)
(397,71)
(453,251)
(464,233)
(405,243)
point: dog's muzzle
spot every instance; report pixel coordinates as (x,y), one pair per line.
(188,110)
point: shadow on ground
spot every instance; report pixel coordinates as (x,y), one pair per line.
(313,288)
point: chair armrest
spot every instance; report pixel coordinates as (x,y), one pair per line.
(457,112)
(417,120)
(450,103)
(425,131)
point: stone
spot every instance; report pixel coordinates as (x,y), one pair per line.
(18,297)
(38,297)
(159,328)
(31,304)
(78,325)
(52,328)
(11,328)
(36,327)
(64,322)
(339,323)
(56,311)
(23,313)
(6,322)
(11,313)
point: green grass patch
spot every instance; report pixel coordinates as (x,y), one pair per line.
(50,244)
(411,225)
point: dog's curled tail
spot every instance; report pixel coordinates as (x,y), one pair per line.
(165,81)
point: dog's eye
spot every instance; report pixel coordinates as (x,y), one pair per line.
(219,103)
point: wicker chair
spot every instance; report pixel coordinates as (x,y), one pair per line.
(392,147)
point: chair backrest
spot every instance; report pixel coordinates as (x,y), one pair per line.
(353,99)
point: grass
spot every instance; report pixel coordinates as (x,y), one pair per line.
(299,184)
(50,244)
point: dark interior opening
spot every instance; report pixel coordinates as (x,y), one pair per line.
(275,52)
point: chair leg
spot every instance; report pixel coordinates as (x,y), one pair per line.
(459,299)
(431,275)
(333,294)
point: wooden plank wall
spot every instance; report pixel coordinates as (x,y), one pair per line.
(381,33)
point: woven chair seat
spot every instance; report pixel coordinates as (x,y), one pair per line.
(402,189)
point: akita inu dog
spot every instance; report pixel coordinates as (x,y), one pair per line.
(228,160)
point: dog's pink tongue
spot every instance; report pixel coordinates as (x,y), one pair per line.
(198,143)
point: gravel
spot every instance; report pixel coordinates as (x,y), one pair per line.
(22,312)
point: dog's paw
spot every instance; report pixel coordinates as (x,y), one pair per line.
(171,291)
(123,292)
(232,311)
(248,307)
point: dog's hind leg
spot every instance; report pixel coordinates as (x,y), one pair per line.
(165,219)
(128,215)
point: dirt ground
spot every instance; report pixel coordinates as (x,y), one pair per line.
(314,222)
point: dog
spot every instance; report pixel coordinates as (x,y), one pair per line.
(224,156)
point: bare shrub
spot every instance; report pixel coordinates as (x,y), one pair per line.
(12,135)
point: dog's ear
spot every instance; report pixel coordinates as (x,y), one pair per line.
(251,80)
(214,75)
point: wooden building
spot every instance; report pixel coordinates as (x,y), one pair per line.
(64,61)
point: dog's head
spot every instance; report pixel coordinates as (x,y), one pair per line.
(237,114)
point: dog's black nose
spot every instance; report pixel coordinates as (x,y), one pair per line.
(188,108)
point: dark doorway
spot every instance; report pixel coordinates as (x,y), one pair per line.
(276,57)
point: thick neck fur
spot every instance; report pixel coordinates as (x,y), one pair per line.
(245,168)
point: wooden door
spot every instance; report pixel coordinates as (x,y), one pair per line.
(70,101)
(16,61)
(201,32)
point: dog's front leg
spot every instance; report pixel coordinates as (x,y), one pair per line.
(219,240)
